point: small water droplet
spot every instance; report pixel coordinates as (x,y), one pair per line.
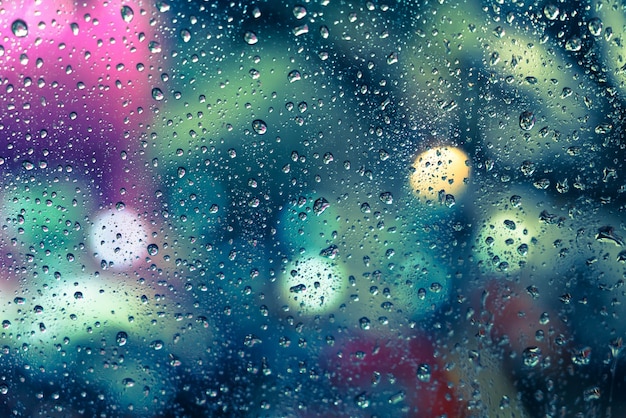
(259,126)
(128,382)
(78,295)
(19,28)
(127,14)
(4,389)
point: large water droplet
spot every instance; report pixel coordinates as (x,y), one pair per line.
(250,38)
(153,249)
(121,338)
(259,126)
(423,373)
(127,14)
(157,94)
(595,26)
(531,356)
(527,120)
(19,28)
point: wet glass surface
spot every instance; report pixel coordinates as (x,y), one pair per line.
(319,208)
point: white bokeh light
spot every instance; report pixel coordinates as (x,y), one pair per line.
(118,238)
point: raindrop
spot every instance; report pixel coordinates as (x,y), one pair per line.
(364,323)
(19,28)
(259,126)
(386,197)
(527,120)
(581,356)
(153,249)
(299,12)
(157,94)
(294,76)
(531,356)
(154,47)
(551,11)
(423,373)
(595,26)
(185,35)
(78,295)
(4,389)
(607,234)
(250,38)
(320,206)
(121,338)
(127,14)
(362,401)
(573,44)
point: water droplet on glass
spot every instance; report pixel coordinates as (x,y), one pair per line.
(185,35)
(581,356)
(299,12)
(78,295)
(127,14)
(121,338)
(181,172)
(4,389)
(294,76)
(423,373)
(19,28)
(128,382)
(153,249)
(364,323)
(551,11)
(595,26)
(573,44)
(592,394)
(386,197)
(250,38)
(527,120)
(531,356)
(362,401)
(157,94)
(607,234)
(320,206)
(392,58)
(154,47)
(259,126)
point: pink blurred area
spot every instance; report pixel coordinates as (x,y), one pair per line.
(76,88)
